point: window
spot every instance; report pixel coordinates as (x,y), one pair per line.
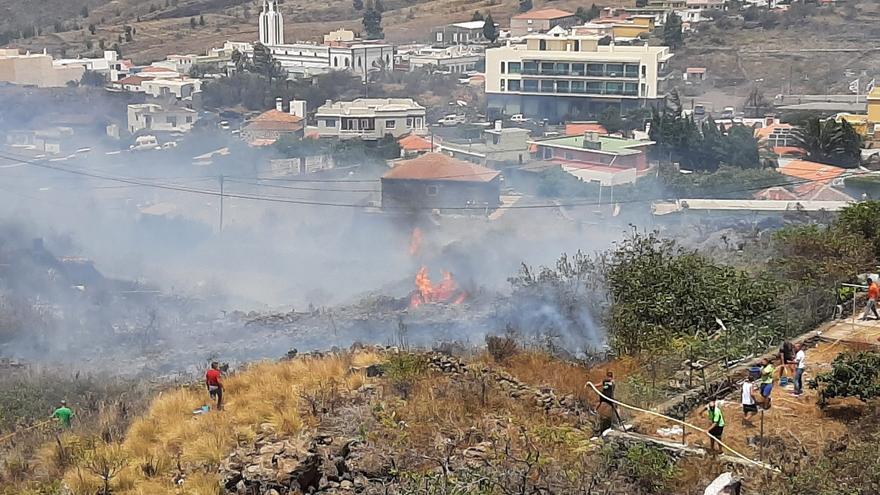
(514,67)
(644,71)
(503,67)
(349,124)
(529,22)
(530,68)
(329,123)
(189,119)
(409,122)
(440,36)
(631,89)
(419,123)
(547,86)
(577,87)
(432,190)
(577,69)
(530,86)
(644,91)
(367,124)
(172,121)
(360,62)
(614,70)
(595,70)
(631,70)
(562,69)
(542,45)
(390,124)
(335,61)
(614,88)
(595,88)
(577,45)
(454,37)
(562,86)
(513,85)
(502,85)
(548,68)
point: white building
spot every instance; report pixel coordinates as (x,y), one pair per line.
(455,59)
(156,118)
(110,65)
(369,118)
(569,77)
(306,59)
(179,88)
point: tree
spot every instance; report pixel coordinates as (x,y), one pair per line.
(357,4)
(92,29)
(586,15)
(102,44)
(129,33)
(831,142)
(525,5)
(672,31)
(611,120)
(84,12)
(193,22)
(377,4)
(372,22)
(264,64)
(201,20)
(490,32)
(477,16)
(93,79)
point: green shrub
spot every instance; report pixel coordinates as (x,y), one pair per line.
(852,375)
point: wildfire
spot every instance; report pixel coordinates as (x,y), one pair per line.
(415,242)
(447,291)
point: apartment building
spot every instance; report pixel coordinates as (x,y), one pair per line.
(561,76)
(459,33)
(369,118)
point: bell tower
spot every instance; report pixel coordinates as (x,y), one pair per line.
(271,24)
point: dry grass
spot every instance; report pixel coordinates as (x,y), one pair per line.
(265,396)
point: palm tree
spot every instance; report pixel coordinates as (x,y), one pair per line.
(831,142)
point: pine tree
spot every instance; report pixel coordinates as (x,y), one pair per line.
(192,22)
(92,29)
(373,22)
(489,31)
(672,34)
(477,16)
(201,20)
(378,6)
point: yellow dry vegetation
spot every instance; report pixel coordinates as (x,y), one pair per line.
(170,439)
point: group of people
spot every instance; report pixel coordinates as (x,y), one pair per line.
(758,387)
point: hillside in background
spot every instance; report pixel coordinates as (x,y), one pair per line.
(162,27)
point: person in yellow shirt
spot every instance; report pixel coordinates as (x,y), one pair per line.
(716,417)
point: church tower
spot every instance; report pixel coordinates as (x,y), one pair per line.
(271,24)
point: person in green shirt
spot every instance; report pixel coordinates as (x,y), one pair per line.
(717,419)
(767,373)
(64,414)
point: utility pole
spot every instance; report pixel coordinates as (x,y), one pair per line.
(221,201)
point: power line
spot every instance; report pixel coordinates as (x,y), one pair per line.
(276,199)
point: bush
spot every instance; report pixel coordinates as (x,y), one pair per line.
(852,375)
(403,370)
(650,468)
(502,347)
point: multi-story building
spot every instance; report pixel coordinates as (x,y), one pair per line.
(541,21)
(306,59)
(569,77)
(459,33)
(179,88)
(157,118)
(456,59)
(592,157)
(497,147)
(369,118)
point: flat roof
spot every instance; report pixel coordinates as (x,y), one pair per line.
(544,14)
(767,205)
(611,145)
(470,24)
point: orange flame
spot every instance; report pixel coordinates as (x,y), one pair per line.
(415,242)
(447,291)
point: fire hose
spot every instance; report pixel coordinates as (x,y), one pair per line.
(22,430)
(684,425)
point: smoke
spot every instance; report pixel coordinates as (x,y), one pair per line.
(157,281)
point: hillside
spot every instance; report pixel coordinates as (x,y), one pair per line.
(164,27)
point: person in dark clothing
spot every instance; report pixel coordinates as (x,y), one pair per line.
(786,358)
(607,396)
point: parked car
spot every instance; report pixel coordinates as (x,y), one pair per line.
(728,113)
(451,120)
(143,143)
(519,118)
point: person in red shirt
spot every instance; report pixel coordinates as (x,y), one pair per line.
(873,295)
(215,384)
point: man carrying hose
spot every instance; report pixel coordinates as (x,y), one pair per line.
(717,429)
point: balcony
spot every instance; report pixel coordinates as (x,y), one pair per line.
(631,73)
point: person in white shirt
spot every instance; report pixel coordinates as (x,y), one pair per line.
(801,359)
(750,406)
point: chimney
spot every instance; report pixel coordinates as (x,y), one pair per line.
(498,125)
(279,104)
(591,141)
(298,108)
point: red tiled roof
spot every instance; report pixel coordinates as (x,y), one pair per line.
(817,191)
(764,132)
(412,142)
(157,69)
(776,193)
(276,120)
(437,166)
(579,128)
(543,14)
(136,80)
(788,151)
(811,171)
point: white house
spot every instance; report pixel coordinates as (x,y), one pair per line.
(370,118)
(153,117)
